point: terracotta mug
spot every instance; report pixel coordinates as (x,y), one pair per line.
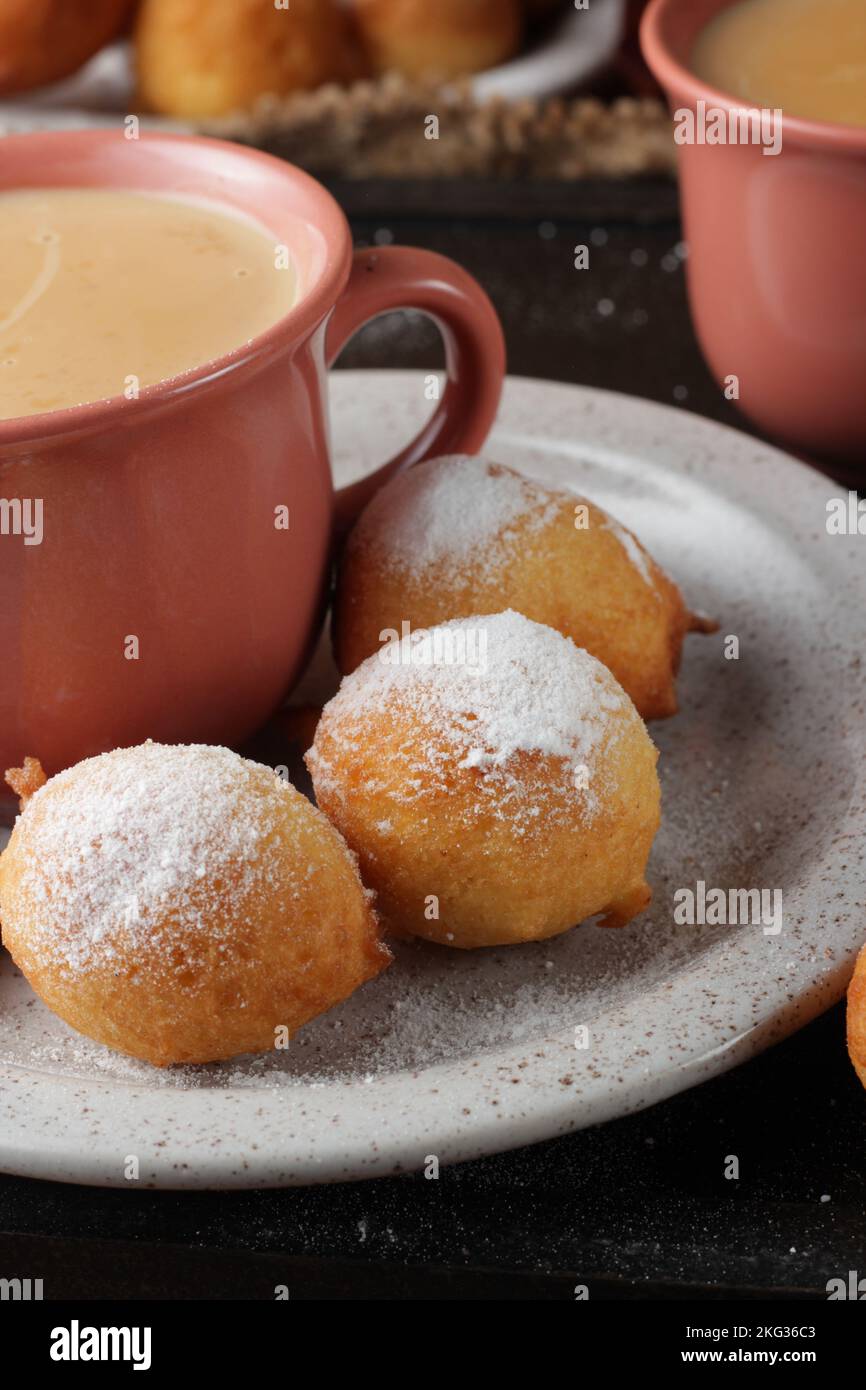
(158,512)
(776,272)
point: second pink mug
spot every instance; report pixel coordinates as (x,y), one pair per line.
(159,512)
(776,270)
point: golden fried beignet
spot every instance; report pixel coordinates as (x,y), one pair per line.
(457,536)
(448,38)
(857,1017)
(182,904)
(44,40)
(199,59)
(496,783)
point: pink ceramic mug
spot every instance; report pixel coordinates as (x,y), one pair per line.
(776,270)
(159,512)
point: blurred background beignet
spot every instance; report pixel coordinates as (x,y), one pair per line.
(448,38)
(199,59)
(44,40)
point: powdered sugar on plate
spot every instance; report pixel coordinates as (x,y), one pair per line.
(431,1005)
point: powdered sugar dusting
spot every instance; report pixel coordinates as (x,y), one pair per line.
(530,690)
(452,509)
(128,852)
(632,550)
(460,510)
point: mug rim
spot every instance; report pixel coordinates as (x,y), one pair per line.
(295,324)
(674,76)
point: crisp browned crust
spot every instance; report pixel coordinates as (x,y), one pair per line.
(857,1017)
(26,780)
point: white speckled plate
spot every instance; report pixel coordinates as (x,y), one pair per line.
(458,1054)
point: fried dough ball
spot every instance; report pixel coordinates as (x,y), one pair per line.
(857,1017)
(457,536)
(44,40)
(495,781)
(181,904)
(200,59)
(449,38)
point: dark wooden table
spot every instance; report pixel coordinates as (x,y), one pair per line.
(641,1207)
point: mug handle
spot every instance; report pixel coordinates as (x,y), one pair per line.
(400,277)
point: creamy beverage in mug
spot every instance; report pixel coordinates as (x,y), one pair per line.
(169,309)
(806,57)
(104,292)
